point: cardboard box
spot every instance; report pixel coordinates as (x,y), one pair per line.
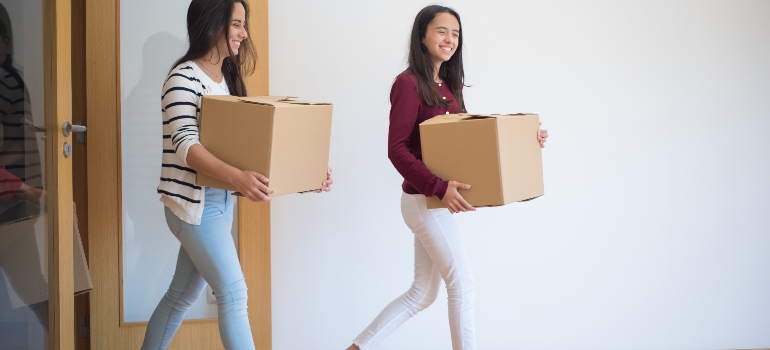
(285,140)
(498,155)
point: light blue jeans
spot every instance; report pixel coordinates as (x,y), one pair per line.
(207,254)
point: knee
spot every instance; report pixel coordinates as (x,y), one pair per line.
(422,295)
(232,294)
(178,300)
(461,285)
(184,291)
(428,298)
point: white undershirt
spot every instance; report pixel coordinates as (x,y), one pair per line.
(210,87)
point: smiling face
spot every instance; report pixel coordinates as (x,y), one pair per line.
(237,31)
(442,37)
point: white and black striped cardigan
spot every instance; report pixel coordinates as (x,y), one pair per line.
(180,105)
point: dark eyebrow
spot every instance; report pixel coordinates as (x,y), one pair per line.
(445,28)
(237,20)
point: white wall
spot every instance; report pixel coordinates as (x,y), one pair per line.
(654,231)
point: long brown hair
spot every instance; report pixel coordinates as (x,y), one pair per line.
(422,67)
(206,20)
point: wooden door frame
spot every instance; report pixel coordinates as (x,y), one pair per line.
(58,171)
(79,174)
(103,100)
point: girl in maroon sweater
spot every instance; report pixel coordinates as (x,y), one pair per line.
(432,85)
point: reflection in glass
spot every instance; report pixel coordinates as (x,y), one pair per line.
(23,253)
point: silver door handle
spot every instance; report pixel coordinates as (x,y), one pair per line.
(68,128)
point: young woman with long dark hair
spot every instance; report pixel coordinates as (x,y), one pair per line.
(220,54)
(430,86)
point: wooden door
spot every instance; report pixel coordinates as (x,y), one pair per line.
(58,109)
(103,148)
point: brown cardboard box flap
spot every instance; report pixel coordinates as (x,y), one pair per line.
(306,103)
(279,101)
(267,98)
(453,118)
(262,100)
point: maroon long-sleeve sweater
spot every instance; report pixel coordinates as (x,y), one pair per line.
(407,111)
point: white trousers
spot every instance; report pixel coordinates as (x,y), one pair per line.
(439,253)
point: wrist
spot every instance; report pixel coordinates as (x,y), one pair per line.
(443,187)
(232,174)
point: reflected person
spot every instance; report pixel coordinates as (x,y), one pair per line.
(21,188)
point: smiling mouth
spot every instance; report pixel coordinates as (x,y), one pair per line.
(445,49)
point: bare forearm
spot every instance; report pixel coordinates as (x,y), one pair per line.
(249,183)
(200,159)
(31,194)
